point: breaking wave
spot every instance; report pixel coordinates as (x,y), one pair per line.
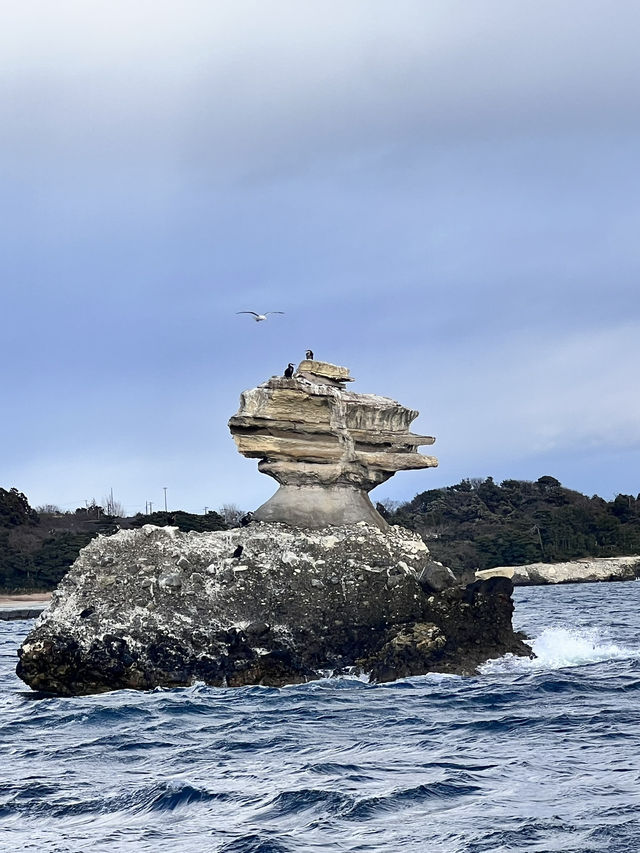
(557,648)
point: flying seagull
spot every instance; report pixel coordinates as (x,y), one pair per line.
(260,317)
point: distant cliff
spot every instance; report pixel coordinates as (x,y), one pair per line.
(575,571)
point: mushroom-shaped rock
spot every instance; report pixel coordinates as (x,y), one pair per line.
(317,582)
(327,447)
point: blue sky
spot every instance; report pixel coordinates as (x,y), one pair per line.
(443,196)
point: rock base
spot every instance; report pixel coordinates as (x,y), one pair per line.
(261,605)
(320,506)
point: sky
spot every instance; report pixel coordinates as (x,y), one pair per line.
(443,196)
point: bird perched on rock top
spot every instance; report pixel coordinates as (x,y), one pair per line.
(246,519)
(309,354)
(289,371)
(238,552)
(260,317)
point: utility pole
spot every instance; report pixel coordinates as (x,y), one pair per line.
(205,510)
(165,498)
(150,507)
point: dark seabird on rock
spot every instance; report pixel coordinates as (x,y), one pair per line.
(246,519)
(238,552)
(289,371)
(309,354)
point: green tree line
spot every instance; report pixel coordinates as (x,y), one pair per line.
(482,524)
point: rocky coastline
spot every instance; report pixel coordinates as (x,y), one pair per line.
(23,605)
(585,570)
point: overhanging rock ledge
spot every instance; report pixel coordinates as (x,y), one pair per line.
(327,447)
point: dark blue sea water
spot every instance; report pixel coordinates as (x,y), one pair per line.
(535,756)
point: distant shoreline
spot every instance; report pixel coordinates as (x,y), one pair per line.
(584,570)
(22,598)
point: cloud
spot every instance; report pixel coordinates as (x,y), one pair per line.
(441,195)
(528,404)
(251,88)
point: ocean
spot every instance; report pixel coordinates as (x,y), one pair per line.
(535,756)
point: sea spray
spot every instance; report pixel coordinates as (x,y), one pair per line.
(559,647)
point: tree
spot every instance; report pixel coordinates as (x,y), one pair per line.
(113,507)
(231,514)
(547,482)
(91,510)
(518,522)
(15,509)
(185,521)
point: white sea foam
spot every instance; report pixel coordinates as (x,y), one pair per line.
(556,648)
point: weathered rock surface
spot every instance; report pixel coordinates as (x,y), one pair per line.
(587,570)
(325,446)
(156,606)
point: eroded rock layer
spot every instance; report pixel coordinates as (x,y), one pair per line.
(260,605)
(325,446)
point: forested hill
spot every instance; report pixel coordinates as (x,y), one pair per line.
(36,549)
(480,524)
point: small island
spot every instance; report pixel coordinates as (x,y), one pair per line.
(318,583)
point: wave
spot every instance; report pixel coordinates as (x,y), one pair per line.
(558,648)
(161,797)
(348,807)
(439,792)
(288,802)
(253,843)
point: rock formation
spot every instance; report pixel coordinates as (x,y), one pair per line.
(156,606)
(587,570)
(318,584)
(327,447)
